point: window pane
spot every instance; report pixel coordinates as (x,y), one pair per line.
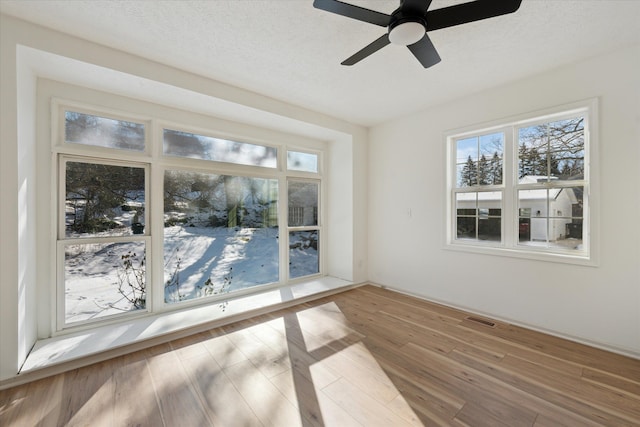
(103,279)
(184,144)
(479,216)
(552,150)
(467,203)
(305,162)
(490,159)
(220,234)
(531,152)
(104,200)
(466,162)
(466,228)
(479,160)
(489,229)
(303,253)
(103,132)
(566,148)
(303,203)
(551,217)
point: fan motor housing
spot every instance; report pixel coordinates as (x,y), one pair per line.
(406,34)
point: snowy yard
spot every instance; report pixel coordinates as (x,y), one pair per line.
(192,256)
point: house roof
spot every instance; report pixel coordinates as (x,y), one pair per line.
(290,51)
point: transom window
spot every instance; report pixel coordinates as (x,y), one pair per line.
(144,225)
(522,188)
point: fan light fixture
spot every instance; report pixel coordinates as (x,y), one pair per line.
(407,33)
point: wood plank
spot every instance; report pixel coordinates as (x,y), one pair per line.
(408,300)
(314,406)
(429,404)
(520,393)
(178,402)
(617,407)
(193,345)
(571,351)
(494,397)
(368,356)
(225,406)
(478,416)
(368,377)
(614,382)
(526,390)
(224,351)
(88,395)
(270,406)
(135,400)
(362,407)
(271,361)
(42,397)
(11,402)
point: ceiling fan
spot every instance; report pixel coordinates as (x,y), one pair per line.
(408,25)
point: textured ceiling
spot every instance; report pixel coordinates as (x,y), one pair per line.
(290,51)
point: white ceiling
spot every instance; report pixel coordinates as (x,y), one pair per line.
(290,51)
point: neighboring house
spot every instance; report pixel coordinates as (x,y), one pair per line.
(562,210)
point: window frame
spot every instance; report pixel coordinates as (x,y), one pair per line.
(156,163)
(295,228)
(509,245)
(62,240)
(477,189)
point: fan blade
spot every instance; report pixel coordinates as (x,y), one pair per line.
(417,7)
(368,50)
(425,52)
(469,12)
(352,11)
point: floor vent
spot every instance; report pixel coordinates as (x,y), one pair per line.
(481,321)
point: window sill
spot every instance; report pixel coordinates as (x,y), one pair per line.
(528,253)
(147,331)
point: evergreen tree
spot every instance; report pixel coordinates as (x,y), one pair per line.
(524,161)
(495,168)
(483,171)
(538,162)
(469,176)
(102,189)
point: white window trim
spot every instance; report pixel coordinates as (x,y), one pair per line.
(62,240)
(155,163)
(508,246)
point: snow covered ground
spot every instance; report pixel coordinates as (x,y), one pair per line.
(192,256)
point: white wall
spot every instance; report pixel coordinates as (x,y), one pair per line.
(31,52)
(600,304)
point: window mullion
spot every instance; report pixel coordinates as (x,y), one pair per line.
(156,275)
(511,187)
(283,229)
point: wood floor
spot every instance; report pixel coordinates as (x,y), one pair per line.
(366,357)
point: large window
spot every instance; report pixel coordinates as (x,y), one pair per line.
(523,187)
(148,221)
